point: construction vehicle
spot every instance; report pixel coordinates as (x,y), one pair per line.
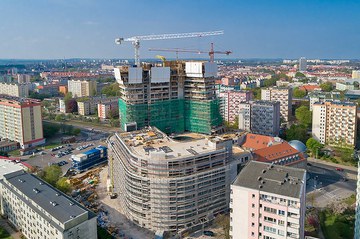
(177,50)
(136,39)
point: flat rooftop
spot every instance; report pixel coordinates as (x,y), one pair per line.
(282,180)
(9,166)
(54,202)
(147,142)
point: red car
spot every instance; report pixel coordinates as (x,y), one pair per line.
(339,169)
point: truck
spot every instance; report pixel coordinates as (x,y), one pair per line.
(91,158)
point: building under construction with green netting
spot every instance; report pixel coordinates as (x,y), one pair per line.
(175,96)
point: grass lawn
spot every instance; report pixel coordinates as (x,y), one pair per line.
(4,234)
(337,226)
(50,146)
(14,153)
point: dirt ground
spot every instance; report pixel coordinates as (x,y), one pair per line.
(129,229)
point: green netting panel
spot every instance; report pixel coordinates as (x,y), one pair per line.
(201,117)
(133,113)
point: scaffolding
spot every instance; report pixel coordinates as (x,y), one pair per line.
(166,115)
(202,116)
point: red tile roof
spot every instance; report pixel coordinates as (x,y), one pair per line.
(257,141)
(309,88)
(276,152)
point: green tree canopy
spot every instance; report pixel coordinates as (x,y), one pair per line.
(313,145)
(327,86)
(51,174)
(111,90)
(63,185)
(76,131)
(299,75)
(60,117)
(303,115)
(299,93)
(297,132)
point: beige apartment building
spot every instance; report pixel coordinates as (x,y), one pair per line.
(335,122)
(39,210)
(14,89)
(81,88)
(284,96)
(21,121)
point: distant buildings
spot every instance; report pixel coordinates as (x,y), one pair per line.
(284,96)
(268,201)
(231,103)
(319,96)
(105,109)
(302,64)
(355,74)
(21,121)
(23,78)
(38,210)
(260,117)
(81,88)
(341,86)
(14,89)
(170,184)
(335,123)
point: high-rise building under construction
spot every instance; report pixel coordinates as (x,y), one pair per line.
(175,97)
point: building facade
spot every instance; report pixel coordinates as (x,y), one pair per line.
(21,121)
(335,123)
(39,210)
(302,64)
(355,74)
(268,201)
(82,88)
(105,109)
(14,89)
(89,105)
(168,185)
(231,103)
(319,96)
(175,97)
(260,117)
(284,96)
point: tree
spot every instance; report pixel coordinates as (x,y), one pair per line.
(327,86)
(223,221)
(50,129)
(299,93)
(60,117)
(313,145)
(51,174)
(71,106)
(297,132)
(114,113)
(111,90)
(303,115)
(76,131)
(299,75)
(63,185)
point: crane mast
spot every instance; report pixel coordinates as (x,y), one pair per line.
(136,39)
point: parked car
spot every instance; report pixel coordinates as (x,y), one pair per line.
(339,169)
(209,233)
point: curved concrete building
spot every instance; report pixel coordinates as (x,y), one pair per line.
(169,185)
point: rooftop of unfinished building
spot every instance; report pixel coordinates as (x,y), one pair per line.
(152,143)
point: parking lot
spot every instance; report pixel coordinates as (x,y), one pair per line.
(61,155)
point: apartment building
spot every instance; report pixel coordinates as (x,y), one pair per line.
(104,109)
(14,89)
(171,184)
(175,97)
(302,64)
(21,121)
(319,96)
(335,123)
(284,96)
(344,86)
(231,103)
(39,210)
(81,88)
(268,202)
(260,117)
(89,105)
(355,74)
(23,78)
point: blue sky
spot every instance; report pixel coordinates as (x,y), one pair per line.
(46,29)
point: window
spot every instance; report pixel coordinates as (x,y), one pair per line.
(253,205)
(252,214)
(253,196)
(270,210)
(281,222)
(281,212)
(270,219)
(252,224)
(269,229)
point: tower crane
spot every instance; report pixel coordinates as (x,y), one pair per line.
(177,50)
(136,39)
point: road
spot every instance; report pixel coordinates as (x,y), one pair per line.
(327,185)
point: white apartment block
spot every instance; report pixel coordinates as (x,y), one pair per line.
(335,122)
(268,202)
(89,105)
(231,103)
(23,78)
(21,121)
(322,96)
(81,88)
(284,96)
(260,117)
(39,210)
(13,89)
(355,74)
(105,108)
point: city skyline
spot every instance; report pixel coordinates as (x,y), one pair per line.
(257,29)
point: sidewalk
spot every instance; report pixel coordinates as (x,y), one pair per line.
(4,224)
(351,168)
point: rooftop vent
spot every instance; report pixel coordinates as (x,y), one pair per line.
(21,181)
(41,183)
(72,217)
(259,178)
(264,171)
(260,186)
(57,194)
(71,203)
(53,203)
(36,190)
